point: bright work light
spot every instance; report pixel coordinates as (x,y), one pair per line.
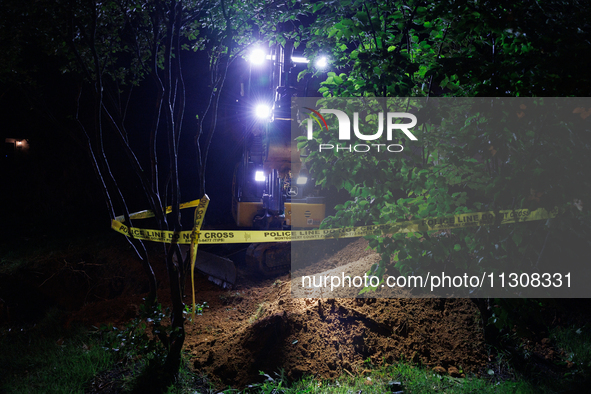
(257,56)
(262,111)
(303,176)
(302,180)
(299,59)
(259,176)
(321,62)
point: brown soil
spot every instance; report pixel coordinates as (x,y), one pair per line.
(327,337)
(259,326)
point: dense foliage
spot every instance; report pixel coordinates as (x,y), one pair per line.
(492,155)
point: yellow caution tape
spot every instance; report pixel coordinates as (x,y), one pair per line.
(150,214)
(196,236)
(256,236)
(198,221)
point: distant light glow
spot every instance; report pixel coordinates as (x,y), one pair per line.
(259,176)
(299,59)
(262,111)
(257,56)
(321,62)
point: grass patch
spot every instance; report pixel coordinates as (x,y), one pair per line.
(402,377)
(576,344)
(44,358)
(147,378)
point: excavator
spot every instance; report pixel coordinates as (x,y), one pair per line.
(271,186)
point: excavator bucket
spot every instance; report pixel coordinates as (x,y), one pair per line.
(219,270)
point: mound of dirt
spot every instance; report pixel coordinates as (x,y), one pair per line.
(261,327)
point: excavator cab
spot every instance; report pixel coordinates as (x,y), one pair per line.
(272,189)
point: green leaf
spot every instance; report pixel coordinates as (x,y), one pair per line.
(517,238)
(366,289)
(457,247)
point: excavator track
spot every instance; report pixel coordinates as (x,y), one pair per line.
(269,259)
